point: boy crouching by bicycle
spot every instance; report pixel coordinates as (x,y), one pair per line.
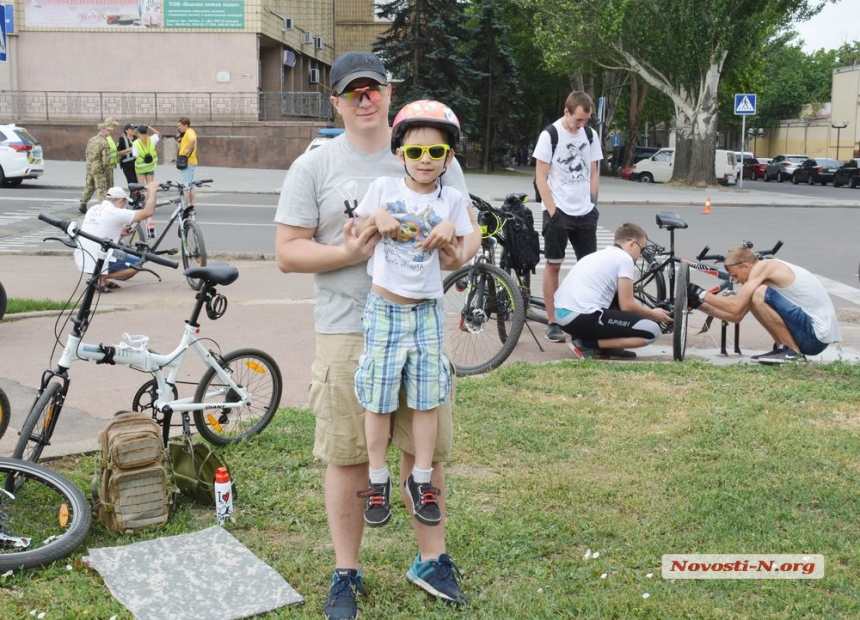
(111,219)
(403,318)
(596,306)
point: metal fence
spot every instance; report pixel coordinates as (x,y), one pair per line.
(153,107)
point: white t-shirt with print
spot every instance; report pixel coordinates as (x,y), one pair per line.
(401,266)
(102,220)
(570,167)
(592,282)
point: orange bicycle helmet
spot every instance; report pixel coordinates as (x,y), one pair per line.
(425,113)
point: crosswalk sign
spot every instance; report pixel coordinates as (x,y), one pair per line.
(745,103)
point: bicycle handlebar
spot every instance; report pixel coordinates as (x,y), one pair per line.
(70,227)
(704,256)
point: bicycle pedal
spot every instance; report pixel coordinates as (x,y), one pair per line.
(170,252)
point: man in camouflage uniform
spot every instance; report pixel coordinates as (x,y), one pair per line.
(98,165)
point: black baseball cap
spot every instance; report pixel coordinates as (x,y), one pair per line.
(142,128)
(129,126)
(354,65)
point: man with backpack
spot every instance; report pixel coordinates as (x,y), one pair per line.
(566,176)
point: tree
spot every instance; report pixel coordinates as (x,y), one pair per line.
(679,47)
(423,51)
(497,116)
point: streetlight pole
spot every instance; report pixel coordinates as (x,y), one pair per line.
(838,128)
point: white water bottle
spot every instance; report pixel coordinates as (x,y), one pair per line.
(223,496)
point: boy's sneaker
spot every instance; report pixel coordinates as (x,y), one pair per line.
(554,333)
(771,352)
(785,355)
(341,603)
(425,503)
(438,577)
(377,511)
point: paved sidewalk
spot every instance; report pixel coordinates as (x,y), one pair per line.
(269,310)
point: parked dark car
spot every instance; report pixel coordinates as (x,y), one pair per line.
(754,167)
(818,170)
(782,167)
(848,174)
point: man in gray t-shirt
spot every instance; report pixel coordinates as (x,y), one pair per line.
(315,235)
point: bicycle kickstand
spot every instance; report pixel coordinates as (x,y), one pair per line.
(532,332)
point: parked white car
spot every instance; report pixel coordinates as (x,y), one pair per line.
(658,167)
(20,156)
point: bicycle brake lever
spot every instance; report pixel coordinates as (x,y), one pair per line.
(66,242)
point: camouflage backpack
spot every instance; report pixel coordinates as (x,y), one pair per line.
(131,487)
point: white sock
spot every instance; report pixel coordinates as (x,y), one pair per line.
(421,476)
(379,476)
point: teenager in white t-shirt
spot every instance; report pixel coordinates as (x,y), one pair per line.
(403,318)
(595,302)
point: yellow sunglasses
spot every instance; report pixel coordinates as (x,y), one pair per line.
(435,151)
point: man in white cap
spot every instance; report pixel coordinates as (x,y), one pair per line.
(111,219)
(316,235)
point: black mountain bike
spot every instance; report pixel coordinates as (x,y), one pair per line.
(485,302)
(191,243)
(660,284)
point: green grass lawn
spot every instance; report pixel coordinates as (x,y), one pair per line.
(631,461)
(17,306)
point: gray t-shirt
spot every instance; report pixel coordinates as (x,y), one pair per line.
(313,195)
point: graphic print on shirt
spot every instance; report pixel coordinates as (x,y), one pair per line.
(574,164)
(416,222)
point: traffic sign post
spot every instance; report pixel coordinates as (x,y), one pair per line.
(745,104)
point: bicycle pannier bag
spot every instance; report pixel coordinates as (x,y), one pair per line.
(181,162)
(194,464)
(521,244)
(553,138)
(131,487)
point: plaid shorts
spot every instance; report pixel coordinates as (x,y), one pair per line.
(402,342)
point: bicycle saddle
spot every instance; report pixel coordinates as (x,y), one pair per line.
(213,273)
(670,220)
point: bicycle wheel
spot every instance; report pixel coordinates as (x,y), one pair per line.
(679,327)
(3,301)
(38,427)
(475,296)
(251,369)
(503,323)
(5,412)
(193,250)
(650,284)
(47,519)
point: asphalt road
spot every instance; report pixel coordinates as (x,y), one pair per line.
(822,239)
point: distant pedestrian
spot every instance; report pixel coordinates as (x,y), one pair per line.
(125,151)
(146,157)
(188,148)
(111,125)
(98,162)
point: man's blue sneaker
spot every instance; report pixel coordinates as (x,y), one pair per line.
(441,578)
(346,584)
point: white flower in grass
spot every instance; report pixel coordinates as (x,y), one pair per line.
(587,555)
(646,595)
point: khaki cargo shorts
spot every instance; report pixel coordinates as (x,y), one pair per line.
(339,436)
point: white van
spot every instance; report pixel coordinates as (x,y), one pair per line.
(658,167)
(726,167)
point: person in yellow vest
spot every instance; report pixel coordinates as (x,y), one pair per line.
(188,148)
(146,158)
(111,125)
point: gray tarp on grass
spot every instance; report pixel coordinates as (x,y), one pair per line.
(207,575)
